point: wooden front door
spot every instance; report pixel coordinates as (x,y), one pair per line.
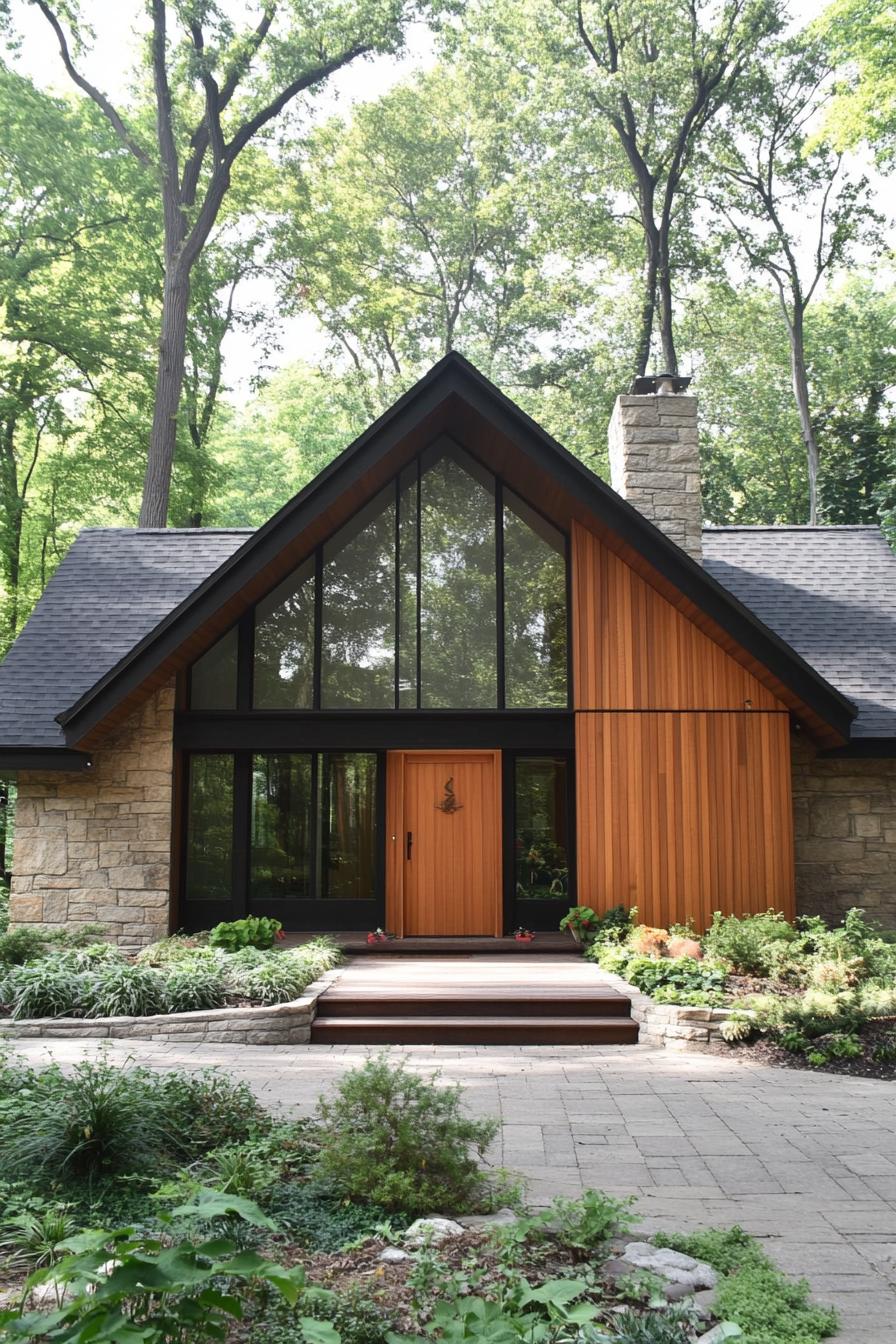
(443,831)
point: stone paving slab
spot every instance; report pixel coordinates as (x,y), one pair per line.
(805,1161)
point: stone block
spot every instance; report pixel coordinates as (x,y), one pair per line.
(863,824)
(26,909)
(40,856)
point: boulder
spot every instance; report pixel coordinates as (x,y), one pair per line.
(501,1218)
(672,1266)
(431,1230)
(393,1255)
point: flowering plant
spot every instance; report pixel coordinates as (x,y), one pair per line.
(579,919)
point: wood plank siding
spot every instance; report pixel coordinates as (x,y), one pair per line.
(682,758)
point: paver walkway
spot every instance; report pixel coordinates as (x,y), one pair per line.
(805,1161)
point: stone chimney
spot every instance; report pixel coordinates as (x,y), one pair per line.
(655,458)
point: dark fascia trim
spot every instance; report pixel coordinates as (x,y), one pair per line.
(454,375)
(43,758)
(869,748)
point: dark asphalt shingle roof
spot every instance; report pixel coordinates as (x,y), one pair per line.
(112,588)
(830,592)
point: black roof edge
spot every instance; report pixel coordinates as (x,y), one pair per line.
(868,748)
(453,374)
(43,758)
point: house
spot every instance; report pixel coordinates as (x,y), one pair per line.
(454,686)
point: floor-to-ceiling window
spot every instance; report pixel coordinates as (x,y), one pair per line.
(445,595)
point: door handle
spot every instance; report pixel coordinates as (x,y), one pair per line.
(410,842)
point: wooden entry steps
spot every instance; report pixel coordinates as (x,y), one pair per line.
(475,1002)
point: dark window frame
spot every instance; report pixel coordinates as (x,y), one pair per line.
(300,914)
(540,915)
(245,691)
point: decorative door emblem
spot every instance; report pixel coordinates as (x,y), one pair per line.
(449,803)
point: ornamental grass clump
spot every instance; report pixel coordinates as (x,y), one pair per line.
(125,990)
(401,1141)
(191,986)
(277,979)
(44,988)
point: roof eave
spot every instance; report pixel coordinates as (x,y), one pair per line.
(14,759)
(455,376)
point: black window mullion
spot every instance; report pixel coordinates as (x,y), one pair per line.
(242,830)
(397,590)
(499,581)
(318,625)
(419,587)
(244,661)
(316,827)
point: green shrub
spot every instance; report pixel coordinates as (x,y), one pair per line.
(691,998)
(44,989)
(206,1110)
(102,1120)
(178,947)
(253,931)
(193,985)
(392,1138)
(21,945)
(4,907)
(125,990)
(97,1120)
(752,1292)
(770,1309)
(745,941)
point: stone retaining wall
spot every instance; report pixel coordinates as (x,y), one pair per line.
(279,1024)
(94,846)
(670,1025)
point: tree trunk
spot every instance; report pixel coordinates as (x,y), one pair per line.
(648,300)
(801,396)
(169,382)
(664,289)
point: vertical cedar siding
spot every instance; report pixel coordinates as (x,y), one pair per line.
(683,788)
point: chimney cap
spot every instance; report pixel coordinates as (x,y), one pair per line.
(653,383)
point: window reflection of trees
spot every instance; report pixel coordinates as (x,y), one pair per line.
(441,531)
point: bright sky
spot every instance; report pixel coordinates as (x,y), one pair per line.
(119,24)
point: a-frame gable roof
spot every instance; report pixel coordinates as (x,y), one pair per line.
(452,398)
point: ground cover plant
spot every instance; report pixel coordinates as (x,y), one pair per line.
(237,1228)
(56,973)
(800,993)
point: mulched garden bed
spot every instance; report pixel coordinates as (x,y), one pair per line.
(764,1051)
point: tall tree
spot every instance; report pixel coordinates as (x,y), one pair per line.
(861,37)
(794,212)
(410,231)
(75,336)
(242,78)
(634,86)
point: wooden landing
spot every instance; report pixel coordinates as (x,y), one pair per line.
(493,1000)
(543,944)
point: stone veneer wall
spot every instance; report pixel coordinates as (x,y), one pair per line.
(845,833)
(95,846)
(655,464)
